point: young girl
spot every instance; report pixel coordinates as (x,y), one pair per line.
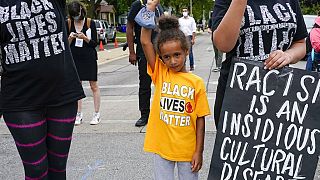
(175,132)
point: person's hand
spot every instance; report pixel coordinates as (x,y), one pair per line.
(277,59)
(192,41)
(72,36)
(152,4)
(209,31)
(196,162)
(133,58)
(80,35)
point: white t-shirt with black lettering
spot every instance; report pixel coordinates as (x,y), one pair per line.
(38,66)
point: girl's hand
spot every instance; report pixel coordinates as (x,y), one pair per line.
(277,59)
(196,163)
(152,4)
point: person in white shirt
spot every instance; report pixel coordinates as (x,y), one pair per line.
(188,27)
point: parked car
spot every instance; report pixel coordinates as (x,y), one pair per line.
(104,31)
(309,21)
(111,32)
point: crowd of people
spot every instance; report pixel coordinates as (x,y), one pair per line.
(41,120)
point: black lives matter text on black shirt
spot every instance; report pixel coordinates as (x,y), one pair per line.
(38,66)
(267,26)
(31,27)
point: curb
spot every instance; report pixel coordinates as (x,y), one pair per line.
(108,56)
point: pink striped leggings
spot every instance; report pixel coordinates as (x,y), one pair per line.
(43,139)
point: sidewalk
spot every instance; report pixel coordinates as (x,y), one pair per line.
(109,55)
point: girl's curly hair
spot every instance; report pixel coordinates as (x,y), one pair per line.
(169,31)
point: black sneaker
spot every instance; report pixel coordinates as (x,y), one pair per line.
(142,122)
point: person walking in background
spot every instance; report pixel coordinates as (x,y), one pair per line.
(217,54)
(313,47)
(188,27)
(133,36)
(39,85)
(83,41)
(239,32)
(175,133)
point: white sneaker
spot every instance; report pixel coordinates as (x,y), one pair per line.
(95,119)
(78,118)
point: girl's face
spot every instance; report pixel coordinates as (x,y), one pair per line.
(174,56)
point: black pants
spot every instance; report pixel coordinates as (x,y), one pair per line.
(222,83)
(144,87)
(43,139)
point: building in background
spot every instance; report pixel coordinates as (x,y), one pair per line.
(106,12)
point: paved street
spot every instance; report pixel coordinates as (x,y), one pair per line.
(112,150)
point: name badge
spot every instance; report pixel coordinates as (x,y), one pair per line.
(79,42)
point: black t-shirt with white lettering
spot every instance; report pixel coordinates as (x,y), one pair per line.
(38,67)
(267,25)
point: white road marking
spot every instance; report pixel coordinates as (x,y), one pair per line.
(132,85)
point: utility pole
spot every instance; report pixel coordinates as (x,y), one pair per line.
(191,8)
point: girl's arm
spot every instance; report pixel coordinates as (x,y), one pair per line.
(229,28)
(279,59)
(148,47)
(197,156)
(146,38)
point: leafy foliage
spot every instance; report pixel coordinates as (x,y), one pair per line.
(310,6)
(199,7)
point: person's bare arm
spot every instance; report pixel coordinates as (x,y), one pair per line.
(279,59)
(130,41)
(148,47)
(146,38)
(193,40)
(198,154)
(227,33)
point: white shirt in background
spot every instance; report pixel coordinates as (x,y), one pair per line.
(187,25)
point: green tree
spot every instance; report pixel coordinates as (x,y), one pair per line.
(199,7)
(310,6)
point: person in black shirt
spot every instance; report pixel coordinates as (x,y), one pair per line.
(39,85)
(133,35)
(270,31)
(83,41)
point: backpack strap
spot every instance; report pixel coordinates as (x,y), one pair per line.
(69,24)
(88,22)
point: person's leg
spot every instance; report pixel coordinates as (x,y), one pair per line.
(79,113)
(222,82)
(184,171)
(60,126)
(144,92)
(218,57)
(163,169)
(96,101)
(29,131)
(191,56)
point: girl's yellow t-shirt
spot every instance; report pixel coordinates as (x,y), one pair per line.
(179,98)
